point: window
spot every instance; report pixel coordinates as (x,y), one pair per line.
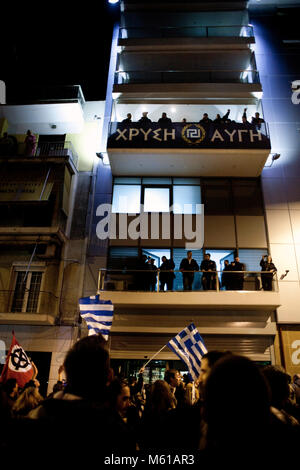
(126,199)
(185,199)
(27,291)
(157,199)
(247,197)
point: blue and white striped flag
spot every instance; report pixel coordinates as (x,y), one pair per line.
(189,347)
(98,314)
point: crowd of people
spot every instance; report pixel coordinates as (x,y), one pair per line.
(165,122)
(233,406)
(232,276)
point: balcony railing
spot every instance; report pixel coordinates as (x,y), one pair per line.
(177,281)
(186,32)
(186,76)
(13,148)
(189,135)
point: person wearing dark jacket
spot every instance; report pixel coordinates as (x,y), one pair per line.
(226,279)
(221,120)
(267,277)
(208,278)
(166,275)
(188,266)
(164,121)
(237,278)
(145,122)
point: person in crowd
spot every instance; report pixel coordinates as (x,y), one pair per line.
(237,279)
(30,144)
(137,392)
(208,266)
(143,278)
(257,120)
(9,392)
(188,266)
(164,121)
(81,408)
(145,122)
(27,401)
(221,120)
(166,275)
(267,277)
(237,414)
(172,377)
(205,120)
(191,395)
(155,426)
(127,122)
(208,361)
(278,382)
(183,121)
(226,279)
(296,387)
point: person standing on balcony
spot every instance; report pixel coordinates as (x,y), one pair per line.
(152,274)
(208,278)
(237,282)
(164,121)
(127,122)
(205,120)
(188,266)
(30,144)
(166,276)
(226,279)
(257,121)
(145,122)
(267,278)
(219,121)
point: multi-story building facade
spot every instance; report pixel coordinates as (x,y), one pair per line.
(187,59)
(45,193)
(183,59)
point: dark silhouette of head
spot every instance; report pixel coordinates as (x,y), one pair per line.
(87,368)
(237,405)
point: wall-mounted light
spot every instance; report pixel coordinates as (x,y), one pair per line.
(113,1)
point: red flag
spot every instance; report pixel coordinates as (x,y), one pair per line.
(17,365)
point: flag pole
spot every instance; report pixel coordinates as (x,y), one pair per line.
(154,356)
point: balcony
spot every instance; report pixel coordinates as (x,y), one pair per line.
(188,149)
(167,38)
(187,86)
(242,290)
(43,314)
(56,152)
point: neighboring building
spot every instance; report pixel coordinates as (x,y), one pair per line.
(44,227)
(187,59)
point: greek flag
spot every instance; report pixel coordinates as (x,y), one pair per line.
(189,347)
(98,314)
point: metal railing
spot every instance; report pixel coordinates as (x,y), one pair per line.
(203,31)
(177,280)
(186,76)
(56,149)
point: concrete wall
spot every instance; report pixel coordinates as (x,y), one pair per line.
(281,182)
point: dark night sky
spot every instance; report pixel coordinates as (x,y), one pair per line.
(57,47)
